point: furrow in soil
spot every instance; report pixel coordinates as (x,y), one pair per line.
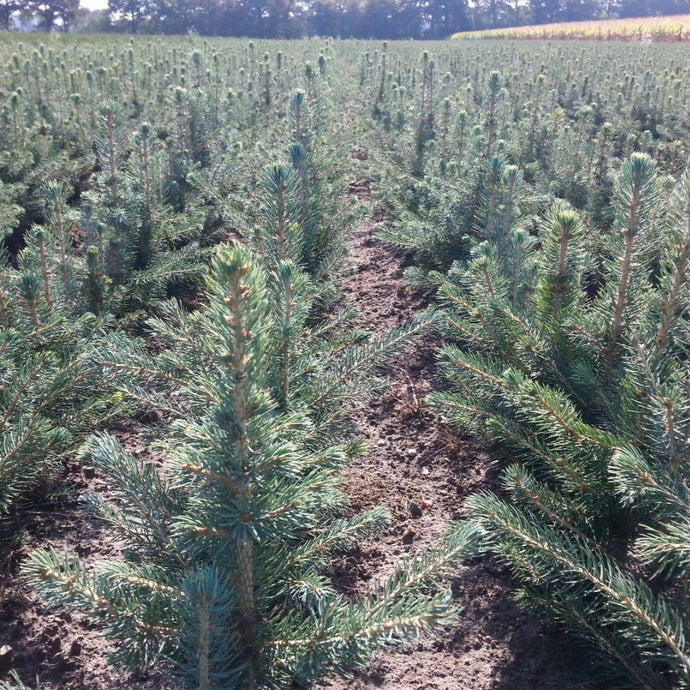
(422,471)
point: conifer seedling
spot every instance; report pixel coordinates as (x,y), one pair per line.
(227,543)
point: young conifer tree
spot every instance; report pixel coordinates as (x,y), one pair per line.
(582,384)
(139,246)
(323,218)
(227,542)
(296,209)
(443,212)
(51,394)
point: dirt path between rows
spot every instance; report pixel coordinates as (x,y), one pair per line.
(421,471)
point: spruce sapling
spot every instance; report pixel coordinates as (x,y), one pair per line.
(228,541)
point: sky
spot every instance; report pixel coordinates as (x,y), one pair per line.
(94,4)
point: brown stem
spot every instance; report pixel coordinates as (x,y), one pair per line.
(621,302)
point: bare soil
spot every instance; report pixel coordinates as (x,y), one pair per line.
(417,467)
(421,470)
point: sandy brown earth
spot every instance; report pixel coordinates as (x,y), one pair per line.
(417,467)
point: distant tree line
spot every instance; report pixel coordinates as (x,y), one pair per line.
(44,15)
(378,19)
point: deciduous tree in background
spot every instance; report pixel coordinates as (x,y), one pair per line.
(343,18)
(7,9)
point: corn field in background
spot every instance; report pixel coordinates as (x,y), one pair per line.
(174,219)
(643,29)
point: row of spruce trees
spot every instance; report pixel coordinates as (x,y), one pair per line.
(564,308)
(226,542)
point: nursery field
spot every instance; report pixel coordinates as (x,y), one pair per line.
(343,365)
